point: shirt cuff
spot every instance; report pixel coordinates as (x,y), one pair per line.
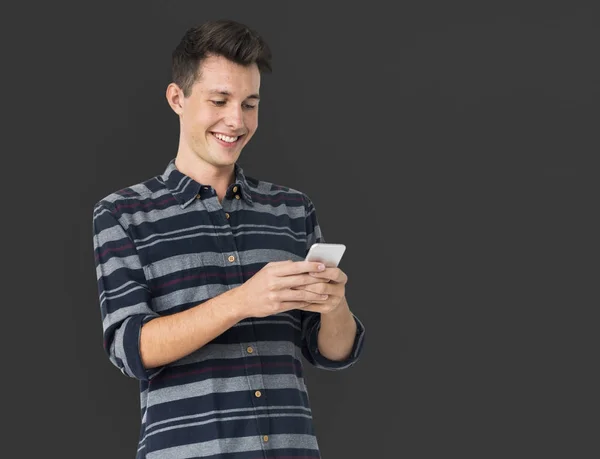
(131,345)
(319,360)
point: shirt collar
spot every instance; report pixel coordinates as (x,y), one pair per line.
(185,189)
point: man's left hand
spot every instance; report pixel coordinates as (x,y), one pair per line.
(333,283)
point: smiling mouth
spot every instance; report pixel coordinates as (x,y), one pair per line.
(225,139)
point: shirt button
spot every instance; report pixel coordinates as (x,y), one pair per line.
(237,196)
(231,258)
(235,189)
(198,196)
(249,350)
(227,215)
(258,393)
(265,438)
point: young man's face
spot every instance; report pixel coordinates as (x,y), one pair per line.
(221,114)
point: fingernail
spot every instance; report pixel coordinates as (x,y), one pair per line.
(321,267)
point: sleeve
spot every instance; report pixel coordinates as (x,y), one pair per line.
(124,296)
(311,321)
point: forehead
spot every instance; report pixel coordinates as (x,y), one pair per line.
(219,73)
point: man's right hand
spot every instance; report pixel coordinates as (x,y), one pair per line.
(271,290)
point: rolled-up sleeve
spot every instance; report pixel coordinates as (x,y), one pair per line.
(311,321)
(311,324)
(124,296)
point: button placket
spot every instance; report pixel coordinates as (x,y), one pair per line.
(257,390)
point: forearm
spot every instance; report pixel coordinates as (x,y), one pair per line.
(337,333)
(166,339)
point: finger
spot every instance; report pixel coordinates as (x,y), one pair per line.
(297,281)
(281,262)
(333,274)
(321,288)
(301,295)
(298,267)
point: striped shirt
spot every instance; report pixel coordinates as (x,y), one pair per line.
(168,244)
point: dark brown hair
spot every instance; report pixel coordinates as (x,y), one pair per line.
(227,38)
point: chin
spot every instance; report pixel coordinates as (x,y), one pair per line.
(222,160)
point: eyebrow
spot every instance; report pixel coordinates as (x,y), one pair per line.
(223,92)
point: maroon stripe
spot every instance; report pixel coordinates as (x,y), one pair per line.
(114,249)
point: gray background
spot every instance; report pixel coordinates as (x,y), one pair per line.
(450,147)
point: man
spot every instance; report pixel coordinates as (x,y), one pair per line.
(205,295)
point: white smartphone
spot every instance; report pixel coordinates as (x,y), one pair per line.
(328,254)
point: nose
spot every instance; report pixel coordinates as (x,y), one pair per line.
(234,118)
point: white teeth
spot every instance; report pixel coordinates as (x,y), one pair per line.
(225,138)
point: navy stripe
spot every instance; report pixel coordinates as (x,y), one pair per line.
(227,368)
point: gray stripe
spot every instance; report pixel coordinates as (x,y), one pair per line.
(110,266)
(187,295)
(262,187)
(143,397)
(292,212)
(176,210)
(154,215)
(234,445)
(224,385)
(196,260)
(114,233)
(216,413)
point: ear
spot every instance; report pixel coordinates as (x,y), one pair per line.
(175,98)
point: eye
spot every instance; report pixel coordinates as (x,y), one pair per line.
(249,106)
(218,103)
